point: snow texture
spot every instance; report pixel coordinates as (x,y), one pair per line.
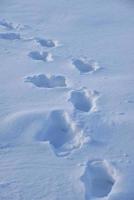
(66,100)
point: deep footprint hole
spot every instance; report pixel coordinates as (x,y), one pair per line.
(99,179)
(81,100)
(58,130)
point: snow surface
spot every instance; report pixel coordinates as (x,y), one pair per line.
(66,100)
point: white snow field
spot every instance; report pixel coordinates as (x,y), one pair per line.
(66,100)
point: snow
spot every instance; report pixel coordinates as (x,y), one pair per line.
(66,100)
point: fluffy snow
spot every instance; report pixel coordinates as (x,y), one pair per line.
(66,100)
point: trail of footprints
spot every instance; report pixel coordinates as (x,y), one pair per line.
(58,128)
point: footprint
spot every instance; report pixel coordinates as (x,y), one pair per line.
(43,81)
(44,56)
(10,36)
(11,26)
(61,133)
(83,100)
(85,66)
(6,24)
(47,42)
(55,128)
(99,178)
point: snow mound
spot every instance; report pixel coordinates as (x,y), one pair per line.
(21,126)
